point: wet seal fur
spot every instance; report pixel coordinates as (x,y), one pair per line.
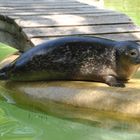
(77,58)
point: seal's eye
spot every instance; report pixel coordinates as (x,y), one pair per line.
(133,53)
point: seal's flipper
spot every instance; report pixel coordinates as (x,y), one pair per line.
(4,71)
(3,76)
(112,81)
(5,68)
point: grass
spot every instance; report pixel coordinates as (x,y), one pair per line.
(129,7)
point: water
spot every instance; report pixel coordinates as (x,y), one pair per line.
(5,51)
(22,123)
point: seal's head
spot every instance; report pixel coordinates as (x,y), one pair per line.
(128,55)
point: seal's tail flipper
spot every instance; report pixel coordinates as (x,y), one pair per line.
(3,72)
(3,76)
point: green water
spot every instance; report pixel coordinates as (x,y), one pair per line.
(20,124)
(5,51)
(129,7)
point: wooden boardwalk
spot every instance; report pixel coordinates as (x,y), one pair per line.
(31,22)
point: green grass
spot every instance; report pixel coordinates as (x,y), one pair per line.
(5,50)
(129,7)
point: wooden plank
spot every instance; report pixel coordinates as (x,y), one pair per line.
(117,37)
(17,4)
(31,11)
(55,9)
(29,7)
(35,1)
(44,5)
(79,14)
(45,9)
(7,5)
(36,11)
(82,15)
(80,30)
(31,14)
(72,20)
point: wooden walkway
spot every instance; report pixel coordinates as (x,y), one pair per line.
(31,22)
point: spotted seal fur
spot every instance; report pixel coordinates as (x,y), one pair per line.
(77,58)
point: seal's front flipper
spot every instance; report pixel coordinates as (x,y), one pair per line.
(112,81)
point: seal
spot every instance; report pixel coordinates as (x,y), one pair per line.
(77,58)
